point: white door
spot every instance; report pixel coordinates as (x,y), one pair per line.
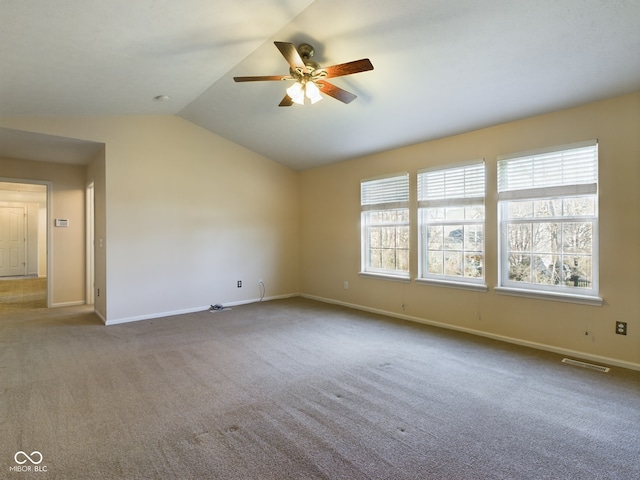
(12,242)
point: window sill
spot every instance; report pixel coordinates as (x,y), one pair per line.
(476,287)
(383,276)
(557,297)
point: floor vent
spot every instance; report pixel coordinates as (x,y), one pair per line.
(590,366)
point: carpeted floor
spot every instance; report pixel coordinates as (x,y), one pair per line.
(22,293)
(295,389)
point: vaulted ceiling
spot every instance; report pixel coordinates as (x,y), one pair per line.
(441,67)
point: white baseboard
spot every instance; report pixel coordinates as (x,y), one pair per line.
(68,304)
(151,316)
(100,316)
(502,338)
(265,299)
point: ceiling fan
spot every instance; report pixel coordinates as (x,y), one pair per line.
(309,77)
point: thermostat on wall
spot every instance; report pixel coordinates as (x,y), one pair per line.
(62,222)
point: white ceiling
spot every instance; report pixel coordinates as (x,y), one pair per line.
(441,67)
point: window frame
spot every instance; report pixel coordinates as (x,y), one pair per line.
(387,193)
(585,185)
(454,193)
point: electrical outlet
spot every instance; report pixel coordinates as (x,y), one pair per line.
(621,328)
(239,283)
(346,285)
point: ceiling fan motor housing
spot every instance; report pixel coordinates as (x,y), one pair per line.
(305,50)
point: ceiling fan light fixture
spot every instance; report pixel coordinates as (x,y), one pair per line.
(296,92)
(306,74)
(313,92)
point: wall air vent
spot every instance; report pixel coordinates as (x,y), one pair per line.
(590,366)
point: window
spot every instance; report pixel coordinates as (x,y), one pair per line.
(385,225)
(548,211)
(451,222)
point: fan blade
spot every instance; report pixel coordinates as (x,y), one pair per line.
(263,78)
(336,92)
(348,68)
(286,101)
(291,55)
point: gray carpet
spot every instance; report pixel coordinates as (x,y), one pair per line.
(296,389)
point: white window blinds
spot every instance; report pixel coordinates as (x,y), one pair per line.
(464,184)
(569,170)
(385,193)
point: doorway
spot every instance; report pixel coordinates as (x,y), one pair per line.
(23,246)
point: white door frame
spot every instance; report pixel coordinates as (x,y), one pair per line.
(49,196)
(90,240)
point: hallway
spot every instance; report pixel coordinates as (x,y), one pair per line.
(22,293)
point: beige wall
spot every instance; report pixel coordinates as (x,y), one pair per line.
(330,236)
(187,215)
(66,279)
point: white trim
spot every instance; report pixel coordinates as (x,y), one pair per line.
(478,287)
(385,276)
(155,315)
(257,300)
(502,338)
(151,316)
(90,243)
(49,215)
(100,316)
(49,238)
(365,249)
(68,304)
(462,185)
(554,296)
(509,287)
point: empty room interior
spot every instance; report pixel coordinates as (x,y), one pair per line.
(306,239)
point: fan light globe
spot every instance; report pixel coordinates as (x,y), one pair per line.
(313,92)
(296,92)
